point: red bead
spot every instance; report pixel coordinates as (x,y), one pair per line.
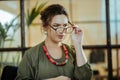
(53,61)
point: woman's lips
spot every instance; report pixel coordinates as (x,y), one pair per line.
(60,36)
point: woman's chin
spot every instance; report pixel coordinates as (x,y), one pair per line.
(60,40)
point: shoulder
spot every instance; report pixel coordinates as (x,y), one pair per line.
(32,55)
(34,51)
(67,46)
(70,47)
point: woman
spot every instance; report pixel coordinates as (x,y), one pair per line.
(51,59)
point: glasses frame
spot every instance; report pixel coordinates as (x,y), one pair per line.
(57,28)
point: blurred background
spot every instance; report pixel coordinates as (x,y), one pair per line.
(20,29)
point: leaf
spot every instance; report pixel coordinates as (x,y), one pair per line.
(10,25)
(41,6)
(6,27)
(34,13)
(3,34)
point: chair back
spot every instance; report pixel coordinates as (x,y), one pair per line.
(9,73)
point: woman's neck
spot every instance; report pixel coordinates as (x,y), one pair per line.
(54,49)
(51,43)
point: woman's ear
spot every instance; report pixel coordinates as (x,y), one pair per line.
(45,29)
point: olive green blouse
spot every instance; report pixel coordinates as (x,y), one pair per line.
(36,66)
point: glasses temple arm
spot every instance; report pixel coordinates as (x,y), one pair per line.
(70,23)
(53,28)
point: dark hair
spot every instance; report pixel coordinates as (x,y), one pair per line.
(49,12)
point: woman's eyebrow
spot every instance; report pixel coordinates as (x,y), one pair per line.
(56,24)
(60,24)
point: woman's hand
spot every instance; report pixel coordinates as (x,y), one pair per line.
(77,35)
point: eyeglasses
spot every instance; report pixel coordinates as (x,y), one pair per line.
(67,29)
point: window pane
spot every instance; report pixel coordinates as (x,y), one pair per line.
(115,21)
(98,62)
(94,33)
(115,31)
(116,61)
(9,24)
(83,10)
(9,58)
(35,35)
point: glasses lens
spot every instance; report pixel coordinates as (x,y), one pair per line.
(65,30)
(59,30)
(69,30)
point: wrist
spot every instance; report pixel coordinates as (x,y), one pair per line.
(77,44)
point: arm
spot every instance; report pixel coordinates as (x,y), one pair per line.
(80,55)
(82,68)
(77,37)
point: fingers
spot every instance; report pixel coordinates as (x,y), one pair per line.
(76,29)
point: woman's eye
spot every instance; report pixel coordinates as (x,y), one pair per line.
(56,25)
(65,25)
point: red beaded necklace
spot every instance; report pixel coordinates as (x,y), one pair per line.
(52,60)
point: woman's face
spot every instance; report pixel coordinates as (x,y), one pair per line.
(58,21)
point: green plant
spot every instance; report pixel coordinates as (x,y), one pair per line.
(5,36)
(34,13)
(4,29)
